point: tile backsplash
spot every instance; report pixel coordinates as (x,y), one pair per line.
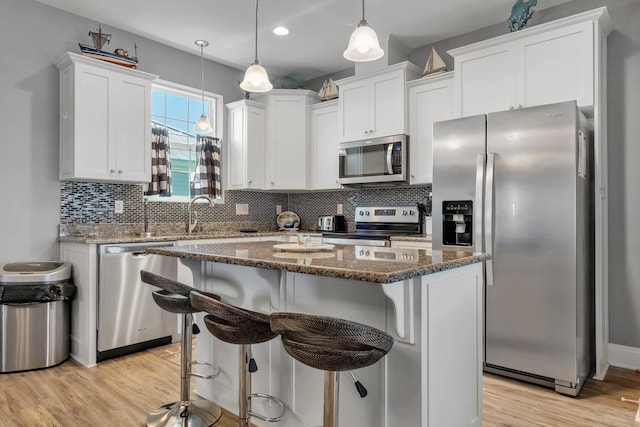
(89,203)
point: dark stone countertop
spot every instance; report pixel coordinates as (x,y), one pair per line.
(169,237)
(340,262)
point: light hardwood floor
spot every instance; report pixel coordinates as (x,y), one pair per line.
(120,392)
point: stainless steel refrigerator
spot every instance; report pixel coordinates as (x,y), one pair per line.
(518,185)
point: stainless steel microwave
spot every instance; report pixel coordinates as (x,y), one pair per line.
(376,160)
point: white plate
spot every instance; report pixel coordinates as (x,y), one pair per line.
(289,229)
(296,255)
(288,218)
(294,247)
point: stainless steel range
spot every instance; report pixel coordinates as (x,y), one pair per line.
(376,224)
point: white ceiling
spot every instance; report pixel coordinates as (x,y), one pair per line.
(320,29)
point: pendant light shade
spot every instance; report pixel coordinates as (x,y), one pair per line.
(256,78)
(203,125)
(363,44)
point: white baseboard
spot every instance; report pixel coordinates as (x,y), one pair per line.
(624,357)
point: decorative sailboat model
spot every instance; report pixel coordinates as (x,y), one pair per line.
(328,91)
(119,57)
(435,64)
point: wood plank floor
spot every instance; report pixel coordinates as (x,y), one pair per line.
(121,392)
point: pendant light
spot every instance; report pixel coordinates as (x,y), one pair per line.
(256,78)
(363,44)
(202,125)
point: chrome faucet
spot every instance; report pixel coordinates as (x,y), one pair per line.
(192,225)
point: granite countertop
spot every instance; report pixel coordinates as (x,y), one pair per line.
(339,262)
(168,237)
(171,237)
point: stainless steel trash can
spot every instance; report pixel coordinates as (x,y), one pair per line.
(34,323)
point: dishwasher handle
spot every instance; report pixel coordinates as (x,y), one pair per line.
(135,250)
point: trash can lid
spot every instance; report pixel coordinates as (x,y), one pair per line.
(35,272)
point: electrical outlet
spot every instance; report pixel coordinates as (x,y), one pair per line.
(339,209)
(242,209)
(278,209)
(119,208)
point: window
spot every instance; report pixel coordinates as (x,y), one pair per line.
(176,108)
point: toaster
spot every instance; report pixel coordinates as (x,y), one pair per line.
(332,223)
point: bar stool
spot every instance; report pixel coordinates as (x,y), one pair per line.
(236,325)
(174,297)
(332,345)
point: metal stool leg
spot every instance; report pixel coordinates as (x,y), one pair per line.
(244,395)
(246,367)
(186,412)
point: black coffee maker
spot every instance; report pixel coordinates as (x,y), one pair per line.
(457,223)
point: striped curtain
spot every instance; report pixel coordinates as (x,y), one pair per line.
(207,177)
(160,184)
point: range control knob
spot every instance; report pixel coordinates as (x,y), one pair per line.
(366,213)
(404,213)
(412,213)
(366,253)
(361,213)
(361,253)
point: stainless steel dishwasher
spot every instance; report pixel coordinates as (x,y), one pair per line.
(128,318)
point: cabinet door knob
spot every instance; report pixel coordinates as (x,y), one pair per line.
(112,170)
(250,181)
(366,132)
(120,171)
(272,182)
(510,107)
(519,105)
(413,176)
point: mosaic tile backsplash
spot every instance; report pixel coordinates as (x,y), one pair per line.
(86,204)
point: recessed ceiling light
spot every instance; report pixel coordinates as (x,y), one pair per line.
(281,31)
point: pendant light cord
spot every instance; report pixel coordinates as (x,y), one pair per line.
(255,60)
(202,74)
(362,10)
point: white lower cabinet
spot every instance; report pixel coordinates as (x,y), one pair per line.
(432,376)
(429,102)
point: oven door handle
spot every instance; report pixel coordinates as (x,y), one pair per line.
(389,157)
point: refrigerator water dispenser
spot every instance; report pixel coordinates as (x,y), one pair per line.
(457,223)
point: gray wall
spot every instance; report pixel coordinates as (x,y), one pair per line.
(32,37)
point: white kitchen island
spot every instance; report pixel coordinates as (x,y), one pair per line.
(431,304)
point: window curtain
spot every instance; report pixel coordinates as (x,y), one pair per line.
(160,184)
(206,180)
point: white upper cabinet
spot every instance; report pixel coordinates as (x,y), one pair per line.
(287,137)
(375,104)
(105,121)
(246,145)
(547,63)
(323,153)
(429,102)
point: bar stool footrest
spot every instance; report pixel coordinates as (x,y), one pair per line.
(215,367)
(277,401)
